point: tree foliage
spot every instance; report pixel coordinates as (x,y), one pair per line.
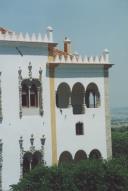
(88,175)
(120,142)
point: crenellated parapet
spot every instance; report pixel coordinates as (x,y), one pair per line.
(77,59)
(12,36)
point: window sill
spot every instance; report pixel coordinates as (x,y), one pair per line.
(30,111)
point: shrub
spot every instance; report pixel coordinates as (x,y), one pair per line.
(88,175)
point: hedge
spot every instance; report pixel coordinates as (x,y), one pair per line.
(88,175)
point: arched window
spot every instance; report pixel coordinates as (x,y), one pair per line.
(77,98)
(27,158)
(79,128)
(65,157)
(80,155)
(92,98)
(31,160)
(63,95)
(30,93)
(95,154)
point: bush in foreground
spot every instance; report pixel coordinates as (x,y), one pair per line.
(89,175)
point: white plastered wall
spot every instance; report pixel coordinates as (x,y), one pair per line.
(12,126)
(94,118)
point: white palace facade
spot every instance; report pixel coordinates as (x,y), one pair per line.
(54,105)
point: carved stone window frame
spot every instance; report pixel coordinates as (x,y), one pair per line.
(31,150)
(30,78)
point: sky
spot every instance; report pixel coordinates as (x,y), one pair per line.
(91,25)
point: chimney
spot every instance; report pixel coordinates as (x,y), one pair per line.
(67,45)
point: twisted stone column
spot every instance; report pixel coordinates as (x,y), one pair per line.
(20,93)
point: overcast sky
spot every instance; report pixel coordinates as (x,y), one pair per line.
(92,25)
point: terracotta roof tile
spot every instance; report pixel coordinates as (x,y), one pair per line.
(3,30)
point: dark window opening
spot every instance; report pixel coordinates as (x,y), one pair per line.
(27,162)
(79,129)
(30,93)
(36,159)
(24,100)
(25,97)
(78,109)
(80,155)
(78,98)
(65,157)
(30,161)
(33,96)
(63,95)
(92,98)
(95,154)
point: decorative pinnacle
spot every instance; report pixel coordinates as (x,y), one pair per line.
(49,28)
(32,140)
(40,71)
(43,140)
(106,51)
(30,71)
(21,142)
(49,34)
(19,71)
(106,55)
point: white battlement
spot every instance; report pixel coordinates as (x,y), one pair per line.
(103,59)
(12,36)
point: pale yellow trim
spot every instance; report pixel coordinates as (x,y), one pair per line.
(50,58)
(53,115)
(107,115)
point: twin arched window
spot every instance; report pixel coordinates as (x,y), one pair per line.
(78,97)
(30,93)
(31,160)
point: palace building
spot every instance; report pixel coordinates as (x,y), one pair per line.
(54,104)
